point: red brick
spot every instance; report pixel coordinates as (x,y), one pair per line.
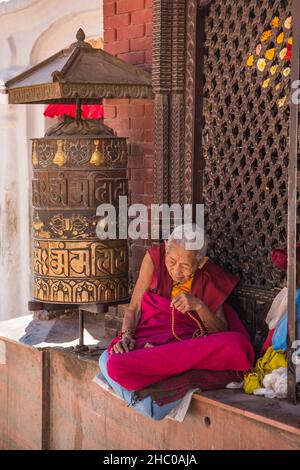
(141,149)
(137,57)
(136,187)
(120,129)
(141,44)
(149,135)
(146,147)
(117,102)
(109,36)
(123,121)
(148,31)
(148,57)
(149,122)
(135,102)
(121,125)
(109,122)
(123,111)
(141,199)
(129,110)
(137,175)
(137,110)
(117,47)
(127,33)
(137,122)
(116,21)
(141,16)
(142,175)
(131,31)
(148,162)
(148,175)
(110,112)
(134,161)
(145,122)
(148,188)
(149,108)
(124,6)
(109,8)
(137,135)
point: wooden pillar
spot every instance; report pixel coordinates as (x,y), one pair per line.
(292,204)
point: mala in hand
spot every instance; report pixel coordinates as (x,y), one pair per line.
(185,287)
(201,331)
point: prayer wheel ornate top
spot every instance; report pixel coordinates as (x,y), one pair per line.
(79,71)
(77,166)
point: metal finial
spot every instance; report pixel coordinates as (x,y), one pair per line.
(80,36)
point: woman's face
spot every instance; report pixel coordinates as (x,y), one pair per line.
(181,264)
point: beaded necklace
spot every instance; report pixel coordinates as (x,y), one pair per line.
(201,331)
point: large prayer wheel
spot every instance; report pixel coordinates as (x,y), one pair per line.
(77,166)
(72,176)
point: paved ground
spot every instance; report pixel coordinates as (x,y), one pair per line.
(60,332)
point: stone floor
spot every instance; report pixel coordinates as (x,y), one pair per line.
(59,332)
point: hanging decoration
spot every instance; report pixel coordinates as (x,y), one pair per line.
(273,55)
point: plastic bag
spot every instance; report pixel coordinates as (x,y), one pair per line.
(278,308)
(276,383)
(279,340)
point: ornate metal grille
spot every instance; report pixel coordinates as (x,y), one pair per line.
(245,134)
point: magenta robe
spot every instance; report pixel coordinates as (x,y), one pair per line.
(230,350)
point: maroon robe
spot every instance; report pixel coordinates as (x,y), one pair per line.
(230,350)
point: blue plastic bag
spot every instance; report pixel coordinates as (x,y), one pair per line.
(279,340)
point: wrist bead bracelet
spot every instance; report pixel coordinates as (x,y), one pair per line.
(128,330)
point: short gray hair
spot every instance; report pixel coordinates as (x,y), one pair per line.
(188,234)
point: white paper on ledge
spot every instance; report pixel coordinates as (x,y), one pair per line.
(178,413)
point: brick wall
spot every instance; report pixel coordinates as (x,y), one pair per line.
(128,35)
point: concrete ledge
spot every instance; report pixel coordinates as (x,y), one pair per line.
(273,412)
(48,401)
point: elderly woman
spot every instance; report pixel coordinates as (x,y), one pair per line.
(177,320)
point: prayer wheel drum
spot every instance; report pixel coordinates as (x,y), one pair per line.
(72,176)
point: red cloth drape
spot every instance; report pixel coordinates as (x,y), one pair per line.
(88,111)
(280,257)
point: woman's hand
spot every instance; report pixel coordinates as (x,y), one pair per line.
(126,344)
(133,311)
(186,302)
(214,322)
